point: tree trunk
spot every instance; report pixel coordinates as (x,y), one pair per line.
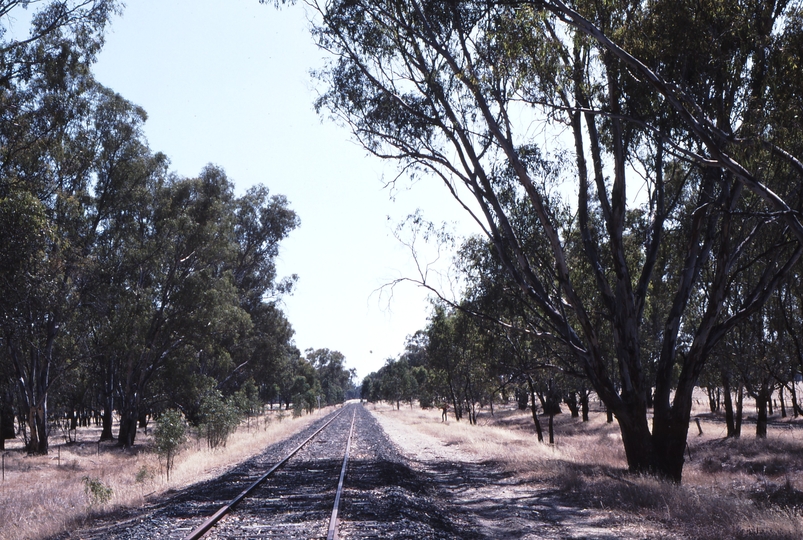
(128,430)
(129,415)
(661,452)
(762,403)
(106,420)
(584,405)
(457,412)
(795,406)
(551,429)
(108,402)
(658,453)
(739,404)
(7,430)
(781,400)
(538,431)
(729,420)
(33,383)
(712,399)
(571,402)
(37,420)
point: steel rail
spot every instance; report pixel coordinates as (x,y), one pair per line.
(225,509)
(332,535)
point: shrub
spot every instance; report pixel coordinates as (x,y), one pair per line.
(169,435)
(298,406)
(219,419)
(143,475)
(96,491)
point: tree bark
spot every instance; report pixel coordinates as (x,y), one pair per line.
(129,415)
(762,402)
(729,420)
(571,402)
(108,402)
(713,404)
(539,433)
(584,405)
(795,406)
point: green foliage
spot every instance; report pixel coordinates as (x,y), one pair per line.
(298,406)
(426,395)
(247,399)
(169,435)
(143,475)
(335,381)
(96,491)
(219,418)
(161,281)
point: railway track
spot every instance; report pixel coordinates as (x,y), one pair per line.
(378,494)
(294,497)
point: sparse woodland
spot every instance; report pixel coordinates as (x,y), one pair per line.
(636,167)
(126,289)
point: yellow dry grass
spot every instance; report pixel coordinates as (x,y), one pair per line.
(744,488)
(44,495)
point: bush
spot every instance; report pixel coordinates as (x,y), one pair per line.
(96,491)
(170,434)
(219,419)
(247,399)
(143,475)
(298,406)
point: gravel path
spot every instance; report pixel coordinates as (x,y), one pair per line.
(400,484)
(501,505)
(383,497)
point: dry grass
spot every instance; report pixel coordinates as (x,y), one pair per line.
(745,489)
(43,495)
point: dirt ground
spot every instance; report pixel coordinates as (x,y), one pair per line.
(490,481)
(503,504)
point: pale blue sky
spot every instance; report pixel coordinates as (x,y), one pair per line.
(228,83)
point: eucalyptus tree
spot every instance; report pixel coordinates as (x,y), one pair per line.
(127,174)
(461,360)
(263,355)
(336,380)
(415,354)
(47,158)
(299,384)
(767,364)
(790,300)
(394,382)
(184,307)
(677,111)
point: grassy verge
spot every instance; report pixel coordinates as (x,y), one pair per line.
(744,488)
(43,495)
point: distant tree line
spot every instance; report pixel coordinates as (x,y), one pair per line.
(466,360)
(125,288)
